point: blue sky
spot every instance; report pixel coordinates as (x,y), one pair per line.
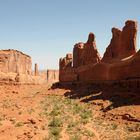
(47,29)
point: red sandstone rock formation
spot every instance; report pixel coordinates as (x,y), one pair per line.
(78,55)
(91,54)
(123,43)
(52,76)
(36,70)
(128,38)
(112,50)
(126,69)
(120,61)
(66,71)
(86,53)
(15,61)
(65,62)
(15,67)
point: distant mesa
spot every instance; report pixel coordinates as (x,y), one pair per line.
(15,61)
(16,68)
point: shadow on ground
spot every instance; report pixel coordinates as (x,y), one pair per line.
(117,97)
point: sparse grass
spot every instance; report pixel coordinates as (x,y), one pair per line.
(133,138)
(133,128)
(86,114)
(89,133)
(55,131)
(30,111)
(55,112)
(45,138)
(114,126)
(75,137)
(6,104)
(2,117)
(19,124)
(84,121)
(77,108)
(71,117)
(67,115)
(72,124)
(56,122)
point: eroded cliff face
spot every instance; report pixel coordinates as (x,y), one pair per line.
(15,61)
(15,67)
(66,62)
(66,71)
(86,53)
(78,54)
(123,43)
(120,60)
(91,54)
(112,51)
(52,76)
(128,39)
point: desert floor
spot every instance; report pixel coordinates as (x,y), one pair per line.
(36,112)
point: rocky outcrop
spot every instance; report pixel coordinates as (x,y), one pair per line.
(123,43)
(66,62)
(112,50)
(85,53)
(119,63)
(91,54)
(78,55)
(15,61)
(15,67)
(128,39)
(36,70)
(52,76)
(66,71)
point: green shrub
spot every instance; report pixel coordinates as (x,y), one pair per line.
(56,122)
(19,124)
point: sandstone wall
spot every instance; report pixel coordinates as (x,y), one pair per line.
(123,43)
(66,71)
(52,76)
(15,67)
(15,61)
(86,53)
(121,61)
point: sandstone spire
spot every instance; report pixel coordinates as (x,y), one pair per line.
(123,43)
(36,70)
(86,53)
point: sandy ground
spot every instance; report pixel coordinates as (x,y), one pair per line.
(21,119)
